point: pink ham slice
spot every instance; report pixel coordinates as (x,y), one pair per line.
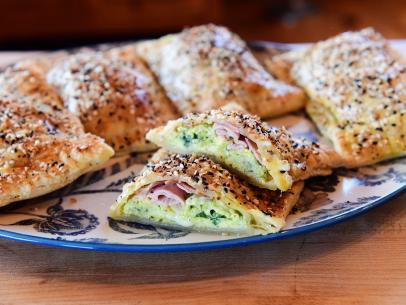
(227,131)
(186,187)
(253,147)
(170,193)
(230,132)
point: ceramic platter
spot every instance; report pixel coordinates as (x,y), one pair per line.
(76,216)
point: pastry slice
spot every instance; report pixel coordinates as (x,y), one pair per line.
(26,81)
(357,88)
(266,156)
(206,67)
(116,99)
(193,193)
(42,149)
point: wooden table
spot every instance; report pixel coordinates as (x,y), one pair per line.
(50,23)
(361,261)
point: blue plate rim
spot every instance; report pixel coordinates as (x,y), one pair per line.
(243,241)
(110,247)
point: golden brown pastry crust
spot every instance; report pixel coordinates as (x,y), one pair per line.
(43,148)
(26,81)
(206,67)
(118,100)
(357,88)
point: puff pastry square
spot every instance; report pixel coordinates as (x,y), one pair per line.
(26,81)
(43,148)
(357,88)
(206,67)
(267,157)
(193,193)
(115,98)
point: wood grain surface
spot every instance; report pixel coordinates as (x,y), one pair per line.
(360,261)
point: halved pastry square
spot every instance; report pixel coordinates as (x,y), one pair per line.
(206,67)
(266,156)
(357,88)
(117,99)
(191,192)
(43,148)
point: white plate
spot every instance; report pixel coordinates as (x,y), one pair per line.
(76,216)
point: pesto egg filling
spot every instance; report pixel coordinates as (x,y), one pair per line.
(196,213)
(194,193)
(202,139)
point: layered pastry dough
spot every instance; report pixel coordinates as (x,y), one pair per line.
(194,193)
(116,99)
(357,88)
(43,148)
(267,157)
(208,66)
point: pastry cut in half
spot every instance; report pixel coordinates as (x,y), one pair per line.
(356,83)
(115,98)
(191,192)
(43,148)
(206,67)
(267,157)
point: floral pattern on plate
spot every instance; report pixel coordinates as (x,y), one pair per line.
(78,212)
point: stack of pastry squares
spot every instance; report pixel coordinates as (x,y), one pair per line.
(220,168)
(228,171)
(222,171)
